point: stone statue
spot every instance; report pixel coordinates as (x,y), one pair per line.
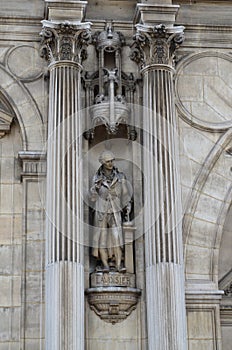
(112,197)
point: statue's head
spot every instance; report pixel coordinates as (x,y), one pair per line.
(106,156)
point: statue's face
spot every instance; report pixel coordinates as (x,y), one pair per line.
(108,164)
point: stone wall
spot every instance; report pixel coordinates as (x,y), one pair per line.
(203,91)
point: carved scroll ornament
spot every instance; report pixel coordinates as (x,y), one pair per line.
(156,45)
(65,41)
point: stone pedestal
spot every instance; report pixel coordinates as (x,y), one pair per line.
(112,279)
(113,295)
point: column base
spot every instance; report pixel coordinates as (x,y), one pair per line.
(166,307)
(64,306)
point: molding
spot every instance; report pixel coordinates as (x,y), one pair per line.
(65,10)
(226,284)
(65,63)
(208,37)
(226,305)
(207,27)
(226,315)
(219,2)
(204,296)
(157,67)
(98,24)
(155,13)
(33,162)
(20,28)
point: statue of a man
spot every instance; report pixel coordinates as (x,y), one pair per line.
(112,197)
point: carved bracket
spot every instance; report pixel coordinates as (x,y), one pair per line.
(109,115)
(113,304)
(33,163)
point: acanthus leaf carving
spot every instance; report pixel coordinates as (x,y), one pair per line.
(228,291)
(156,45)
(65,41)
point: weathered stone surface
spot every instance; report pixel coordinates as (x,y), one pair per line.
(203,86)
(112,279)
(35,9)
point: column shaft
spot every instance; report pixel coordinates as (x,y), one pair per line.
(64,271)
(163,234)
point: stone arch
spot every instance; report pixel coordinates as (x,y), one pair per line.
(206,212)
(225,256)
(25,110)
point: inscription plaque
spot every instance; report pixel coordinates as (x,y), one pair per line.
(112,279)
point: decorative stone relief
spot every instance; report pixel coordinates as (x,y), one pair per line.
(25,62)
(65,41)
(225,284)
(6,116)
(109,89)
(113,304)
(156,45)
(228,291)
(204,90)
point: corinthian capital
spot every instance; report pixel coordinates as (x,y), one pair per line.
(65,40)
(156,45)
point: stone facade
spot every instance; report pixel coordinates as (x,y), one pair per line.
(152,83)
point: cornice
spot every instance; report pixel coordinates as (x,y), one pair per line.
(14,28)
(25,28)
(207,36)
(208,27)
(202,2)
(119,25)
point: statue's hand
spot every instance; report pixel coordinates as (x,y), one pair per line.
(93,193)
(128,208)
(98,184)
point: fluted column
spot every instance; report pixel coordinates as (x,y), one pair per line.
(64,45)
(153,50)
